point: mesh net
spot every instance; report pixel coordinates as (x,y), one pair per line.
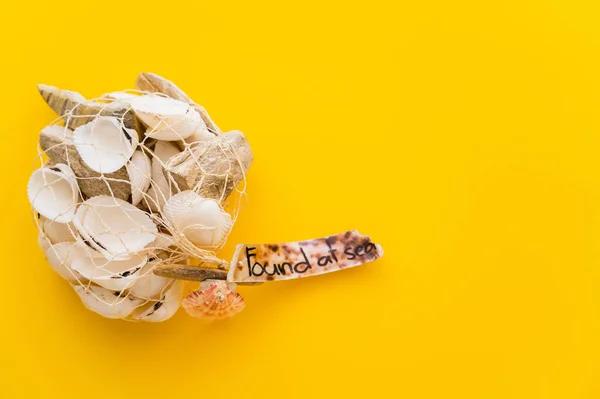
(130,181)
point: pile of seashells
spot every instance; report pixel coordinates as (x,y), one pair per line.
(131,181)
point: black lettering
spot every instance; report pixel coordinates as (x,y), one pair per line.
(332,250)
(248,256)
(358,250)
(324,260)
(370,247)
(274,270)
(297,268)
(348,252)
(262,269)
(281,268)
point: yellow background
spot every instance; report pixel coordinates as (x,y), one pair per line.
(461,135)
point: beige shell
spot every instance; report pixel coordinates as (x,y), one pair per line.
(216,299)
(53,192)
(115,228)
(110,304)
(164,308)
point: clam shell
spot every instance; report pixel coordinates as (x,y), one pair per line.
(148,285)
(104,145)
(164,308)
(200,135)
(166,118)
(216,299)
(114,227)
(57,232)
(53,192)
(62,255)
(116,275)
(160,189)
(200,220)
(110,304)
(139,172)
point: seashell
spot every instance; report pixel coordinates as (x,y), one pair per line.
(110,304)
(164,308)
(116,275)
(212,168)
(53,192)
(62,255)
(57,232)
(119,96)
(160,189)
(138,169)
(148,285)
(103,145)
(154,83)
(200,135)
(166,118)
(76,111)
(216,299)
(200,220)
(57,143)
(43,242)
(114,227)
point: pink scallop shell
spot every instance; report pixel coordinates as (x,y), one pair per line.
(215,300)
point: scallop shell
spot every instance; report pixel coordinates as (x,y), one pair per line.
(167,119)
(148,285)
(114,227)
(216,299)
(110,304)
(116,275)
(164,308)
(138,169)
(160,189)
(104,145)
(57,232)
(62,255)
(53,192)
(200,220)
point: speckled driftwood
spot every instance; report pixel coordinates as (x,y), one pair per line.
(213,167)
(77,111)
(60,149)
(154,83)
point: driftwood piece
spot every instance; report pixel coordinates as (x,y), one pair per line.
(191,273)
(153,83)
(57,143)
(213,168)
(77,111)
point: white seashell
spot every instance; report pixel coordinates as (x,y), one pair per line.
(57,232)
(107,303)
(200,220)
(62,255)
(114,227)
(104,145)
(164,308)
(116,275)
(53,192)
(148,285)
(43,242)
(167,119)
(61,132)
(201,134)
(160,190)
(138,169)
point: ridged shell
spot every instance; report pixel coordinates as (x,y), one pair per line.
(139,171)
(216,299)
(104,145)
(53,192)
(167,119)
(164,308)
(116,275)
(114,227)
(110,304)
(200,220)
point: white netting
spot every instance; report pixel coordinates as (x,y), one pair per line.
(130,181)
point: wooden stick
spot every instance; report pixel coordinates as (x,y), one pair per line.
(191,273)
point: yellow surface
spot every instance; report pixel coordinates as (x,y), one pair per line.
(461,135)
